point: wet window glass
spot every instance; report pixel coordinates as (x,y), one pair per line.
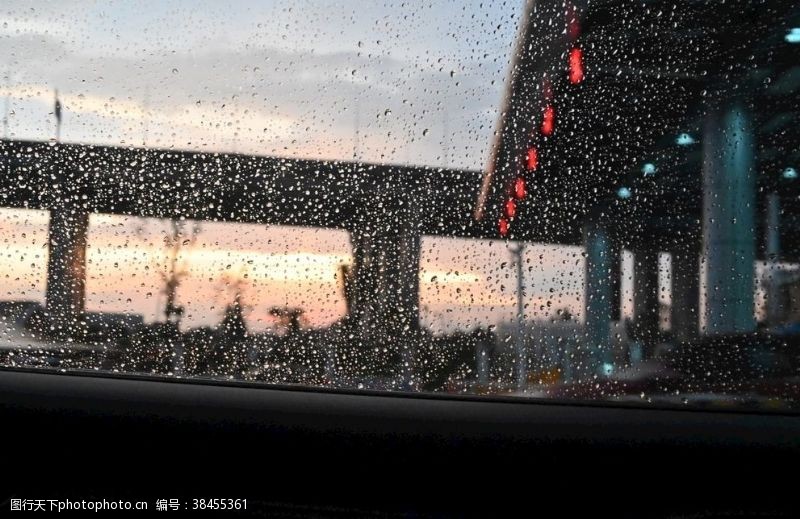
(566,200)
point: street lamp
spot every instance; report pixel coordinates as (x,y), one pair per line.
(517,252)
(684,139)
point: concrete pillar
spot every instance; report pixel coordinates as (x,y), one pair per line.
(66,267)
(385,282)
(385,305)
(729,243)
(520,351)
(482,363)
(685,304)
(601,297)
(774,281)
(365,274)
(401,270)
(645,300)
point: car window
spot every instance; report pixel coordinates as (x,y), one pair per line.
(569,200)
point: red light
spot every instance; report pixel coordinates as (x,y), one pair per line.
(511,208)
(575,66)
(547,89)
(548,122)
(519,188)
(503,226)
(573,25)
(533,159)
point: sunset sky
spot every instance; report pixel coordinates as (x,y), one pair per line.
(463,283)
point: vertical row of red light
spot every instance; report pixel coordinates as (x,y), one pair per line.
(519,189)
(575,59)
(548,121)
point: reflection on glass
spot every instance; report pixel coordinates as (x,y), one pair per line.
(566,200)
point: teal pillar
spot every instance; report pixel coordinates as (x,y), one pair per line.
(729,244)
(601,301)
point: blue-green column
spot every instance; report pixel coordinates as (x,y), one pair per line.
(729,234)
(602,276)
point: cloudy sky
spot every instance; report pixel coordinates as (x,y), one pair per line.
(396,82)
(421,82)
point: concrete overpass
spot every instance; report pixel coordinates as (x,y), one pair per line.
(385,208)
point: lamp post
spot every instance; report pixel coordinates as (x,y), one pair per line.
(517,252)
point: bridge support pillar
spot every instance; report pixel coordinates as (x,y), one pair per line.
(645,300)
(386,281)
(66,268)
(685,304)
(385,302)
(776,300)
(728,220)
(601,299)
